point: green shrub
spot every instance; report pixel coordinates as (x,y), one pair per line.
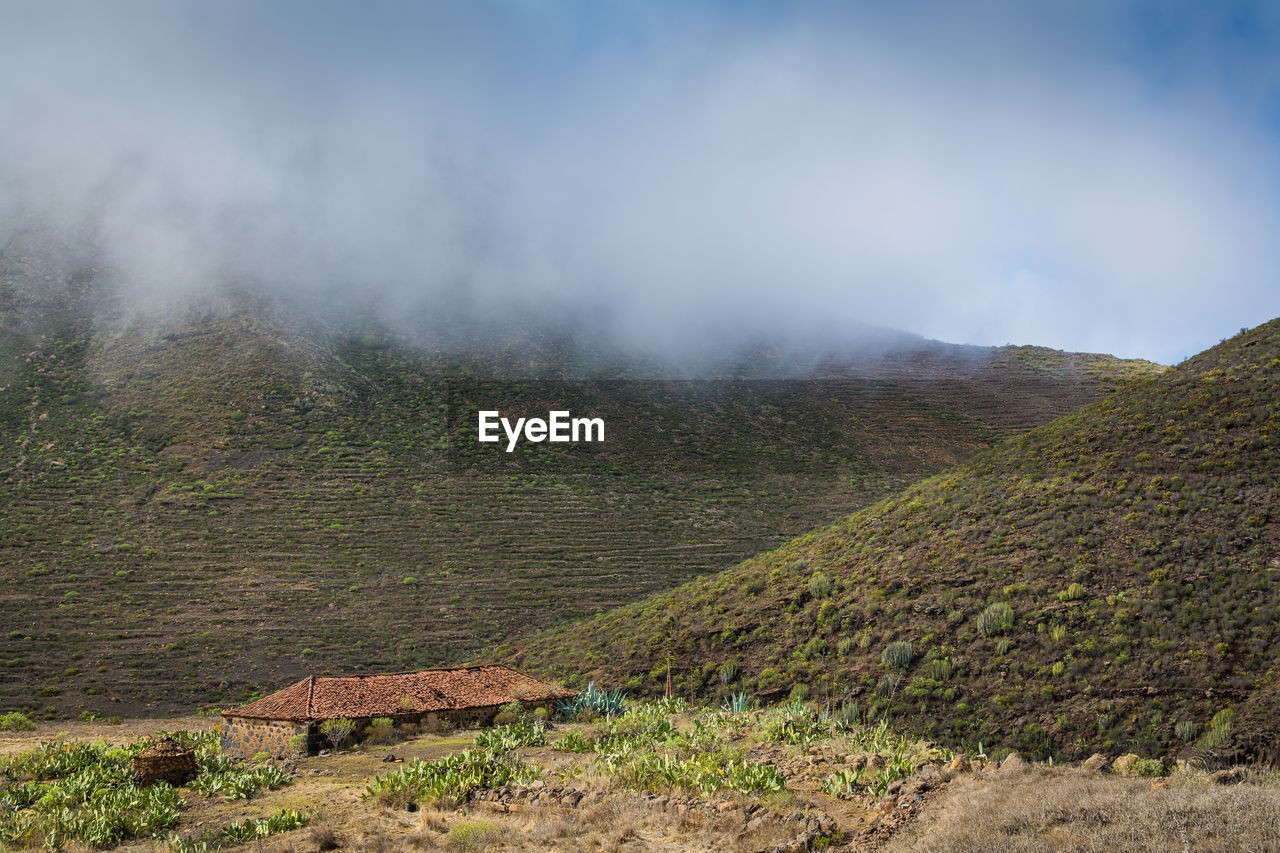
(512,736)
(221,776)
(1218,730)
(795,723)
(1144,767)
(473,835)
(78,792)
(728,672)
(700,771)
(898,655)
(995,619)
(338,731)
(573,741)
(380,730)
(1073,592)
(843,784)
(939,669)
(240,832)
(449,781)
(16,721)
(1186,730)
(815,648)
(512,712)
(820,585)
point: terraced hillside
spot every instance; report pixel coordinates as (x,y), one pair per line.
(1107,581)
(198,509)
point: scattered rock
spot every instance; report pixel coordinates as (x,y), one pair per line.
(1012,762)
(1096,763)
(1232,776)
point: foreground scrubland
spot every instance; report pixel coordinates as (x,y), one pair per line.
(649,776)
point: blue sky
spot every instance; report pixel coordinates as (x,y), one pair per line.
(1087,175)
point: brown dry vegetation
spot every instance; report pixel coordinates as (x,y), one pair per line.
(620,823)
(1041,810)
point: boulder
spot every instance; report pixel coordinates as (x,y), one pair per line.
(1231,776)
(1124,763)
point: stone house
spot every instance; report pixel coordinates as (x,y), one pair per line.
(288,721)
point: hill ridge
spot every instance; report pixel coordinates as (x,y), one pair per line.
(1133,542)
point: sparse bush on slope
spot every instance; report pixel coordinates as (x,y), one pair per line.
(1100,583)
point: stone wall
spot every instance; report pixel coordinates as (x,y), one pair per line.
(244,738)
(472,718)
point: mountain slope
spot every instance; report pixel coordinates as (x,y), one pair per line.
(1109,580)
(200,507)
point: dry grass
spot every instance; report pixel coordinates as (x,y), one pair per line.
(619,823)
(1044,809)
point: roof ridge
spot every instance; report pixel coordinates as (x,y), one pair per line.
(471,668)
(320,697)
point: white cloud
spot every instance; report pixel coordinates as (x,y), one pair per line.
(981,182)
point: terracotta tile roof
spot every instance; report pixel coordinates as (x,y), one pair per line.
(325,697)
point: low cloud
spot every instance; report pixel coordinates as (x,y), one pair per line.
(677,176)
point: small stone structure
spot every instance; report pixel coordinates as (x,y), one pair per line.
(288,722)
(166,760)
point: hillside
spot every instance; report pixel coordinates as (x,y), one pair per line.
(201,507)
(1107,581)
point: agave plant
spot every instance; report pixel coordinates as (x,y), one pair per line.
(593,702)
